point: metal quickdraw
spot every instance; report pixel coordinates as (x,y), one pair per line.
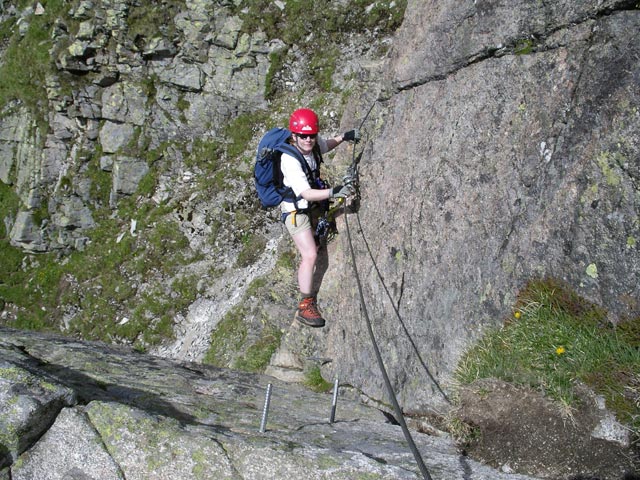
(326,227)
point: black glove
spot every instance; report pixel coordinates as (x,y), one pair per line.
(342,191)
(351,136)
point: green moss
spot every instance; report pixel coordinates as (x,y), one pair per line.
(227,339)
(253,246)
(183,104)
(201,459)
(590,194)
(327,462)
(524,46)
(258,355)
(607,161)
(10,373)
(592,270)
(315,381)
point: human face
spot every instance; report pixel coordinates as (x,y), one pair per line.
(305,142)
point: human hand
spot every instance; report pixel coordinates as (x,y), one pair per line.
(342,191)
(351,136)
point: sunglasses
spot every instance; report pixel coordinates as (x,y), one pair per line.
(304,136)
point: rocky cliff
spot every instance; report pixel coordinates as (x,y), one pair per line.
(501,146)
(506,149)
(73,409)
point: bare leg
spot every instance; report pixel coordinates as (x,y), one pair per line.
(306,245)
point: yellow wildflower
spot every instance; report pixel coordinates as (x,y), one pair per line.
(517,314)
(560,350)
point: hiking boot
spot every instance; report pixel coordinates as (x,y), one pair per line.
(308,313)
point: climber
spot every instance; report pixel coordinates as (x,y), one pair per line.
(313,194)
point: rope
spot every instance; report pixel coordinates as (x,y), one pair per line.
(392,395)
(354,170)
(397,312)
(387,382)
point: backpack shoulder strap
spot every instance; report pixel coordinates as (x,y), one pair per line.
(295,153)
(317,154)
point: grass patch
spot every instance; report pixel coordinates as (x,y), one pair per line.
(286,261)
(276,63)
(100,284)
(258,355)
(252,247)
(205,155)
(32,288)
(101,181)
(27,281)
(313,379)
(145,18)
(316,29)
(227,339)
(329,21)
(323,66)
(557,339)
(9,205)
(240,343)
(242,130)
(27,61)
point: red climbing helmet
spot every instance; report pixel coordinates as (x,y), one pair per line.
(304,120)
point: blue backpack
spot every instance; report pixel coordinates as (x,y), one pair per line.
(267,173)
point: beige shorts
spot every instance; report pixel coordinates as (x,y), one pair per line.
(297,222)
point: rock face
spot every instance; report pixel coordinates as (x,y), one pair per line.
(504,147)
(72,409)
(131,93)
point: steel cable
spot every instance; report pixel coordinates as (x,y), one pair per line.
(376,349)
(397,312)
(392,395)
